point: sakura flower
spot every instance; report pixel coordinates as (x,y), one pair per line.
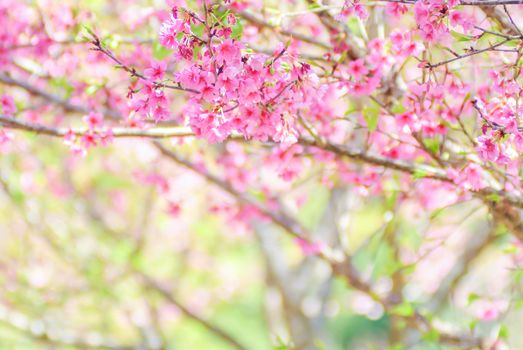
(487,149)
(94,120)
(308,247)
(228,51)
(106,137)
(170,29)
(471,178)
(78,150)
(357,69)
(89,139)
(69,138)
(5,137)
(156,71)
(174,209)
(8,105)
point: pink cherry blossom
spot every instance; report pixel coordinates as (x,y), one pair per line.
(156,71)
(8,105)
(94,120)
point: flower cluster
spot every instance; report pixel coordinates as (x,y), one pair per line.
(501,139)
(94,135)
(232,90)
(431,17)
(354,8)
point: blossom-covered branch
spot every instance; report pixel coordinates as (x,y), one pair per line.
(469,2)
(154,132)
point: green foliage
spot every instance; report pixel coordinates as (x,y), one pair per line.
(371,116)
(160,52)
(405,309)
(460,37)
(347,329)
(237,29)
(311,212)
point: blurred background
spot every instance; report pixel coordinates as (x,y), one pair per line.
(125,249)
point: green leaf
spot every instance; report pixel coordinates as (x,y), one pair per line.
(419,174)
(398,109)
(237,30)
(198,29)
(437,212)
(286,66)
(351,108)
(111,41)
(61,83)
(472,298)
(371,116)
(258,195)
(320,345)
(343,56)
(410,237)
(432,145)
(91,90)
(196,52)
(313,6)
(121,252)
(283,345)
(391,198)
(397,347)
(518,276)
(354,26)
(408,269)
(160,52)
(512,43)
(431,336)
(405,309)
(494,197)
(460,37)
(503,332)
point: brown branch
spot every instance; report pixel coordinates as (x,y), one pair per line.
(415,169)
(499,16)
(156,286)
(158,132)
(98,46)
(280,218)
(64,103)
(365,157)
(340,150)
(504,213)
(335,26)
(260,22)
(469,54)
(476,245)
(469,2)
(343,269)
(300,55)
(75,342)
(512,21)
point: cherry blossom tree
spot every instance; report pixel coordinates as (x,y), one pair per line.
(261,175)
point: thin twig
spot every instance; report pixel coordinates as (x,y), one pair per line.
(158,132)
(225,336)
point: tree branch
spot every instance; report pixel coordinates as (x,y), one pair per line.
(156,286)
(64,103)
(96,42)
(421,170)
(159,132)
(260,22)
(469,2)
